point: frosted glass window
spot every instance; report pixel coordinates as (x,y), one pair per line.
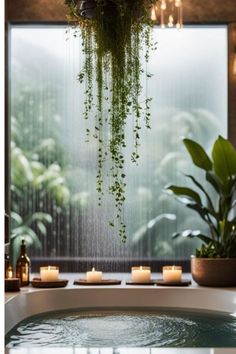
(53,169)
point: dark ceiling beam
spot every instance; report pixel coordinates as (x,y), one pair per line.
(195,11)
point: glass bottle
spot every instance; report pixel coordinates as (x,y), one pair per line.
(23,266)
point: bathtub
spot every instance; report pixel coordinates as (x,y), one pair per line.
(31,301)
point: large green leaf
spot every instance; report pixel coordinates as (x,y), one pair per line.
(143,231)
(16,218)
(184,191)
(42,228)
(21,164)
(209,201)
(44,217)
(224,157)
(204,214)
(18,231)
(214,181)
(193,234)
(198,155)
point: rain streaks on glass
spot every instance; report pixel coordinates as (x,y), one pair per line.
(53,169)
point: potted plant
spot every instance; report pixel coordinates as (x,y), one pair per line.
(114,34)
(215,261)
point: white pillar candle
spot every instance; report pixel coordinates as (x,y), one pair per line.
(172,274)
(141,274)
(49,273)
(94,276)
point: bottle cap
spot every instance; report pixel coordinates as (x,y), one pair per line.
(23,246)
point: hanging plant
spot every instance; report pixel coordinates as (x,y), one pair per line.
(114,32)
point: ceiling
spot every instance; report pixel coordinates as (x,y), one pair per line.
(195,11)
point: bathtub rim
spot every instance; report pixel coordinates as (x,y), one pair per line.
(32,302)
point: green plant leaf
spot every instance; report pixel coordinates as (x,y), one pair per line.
(21,164)
(224,158)
(145,229)
(214,181)
(200,209)
(193,234)
(209,201)
(16,217)
(184,191)
(45,217)
(42,228)
(19,231)
(198,155)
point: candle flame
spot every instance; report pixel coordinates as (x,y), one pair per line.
(173,267)
(93,269)
(141,268)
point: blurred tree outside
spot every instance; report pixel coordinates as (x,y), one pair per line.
(53,186)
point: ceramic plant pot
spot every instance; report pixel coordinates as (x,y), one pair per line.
(88,9)
(214,271)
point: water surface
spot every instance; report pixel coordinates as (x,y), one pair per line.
(124,329)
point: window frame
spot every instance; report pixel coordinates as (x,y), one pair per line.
(118,265)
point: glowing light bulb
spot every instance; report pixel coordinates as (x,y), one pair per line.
(153,14)
(171,14)
(177,3)
(163,5)
(171,21)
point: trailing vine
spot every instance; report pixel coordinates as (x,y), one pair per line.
(114,32)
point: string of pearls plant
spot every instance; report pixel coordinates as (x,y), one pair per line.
(113,34)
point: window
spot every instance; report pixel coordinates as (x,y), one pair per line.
(53,169)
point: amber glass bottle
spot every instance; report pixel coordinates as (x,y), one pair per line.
(23,266)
